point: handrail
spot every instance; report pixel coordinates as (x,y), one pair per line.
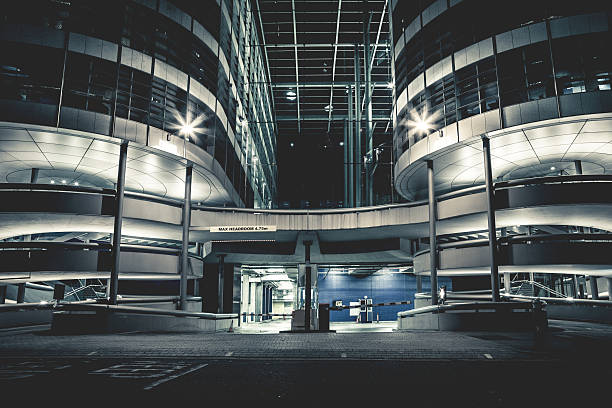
(560,301)
(57,187)
(515,239)
(179,203)
(553,179)
(539,285)
(146,310)
(466,306)
(556,237)
(53,304)
(102,246)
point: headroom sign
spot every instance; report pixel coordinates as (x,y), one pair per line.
(245,228)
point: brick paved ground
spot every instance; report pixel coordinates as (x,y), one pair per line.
(463,369)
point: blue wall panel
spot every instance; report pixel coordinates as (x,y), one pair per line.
(380,287)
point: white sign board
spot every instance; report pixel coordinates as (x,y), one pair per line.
(245,228)
(354,311)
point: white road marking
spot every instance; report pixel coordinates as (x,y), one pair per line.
(229,354)
(92,353)
(172,377)
(487,355)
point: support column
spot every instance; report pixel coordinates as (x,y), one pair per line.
(433,243)
(357,148)
(351,148)
(34,176)
(577,287)
(592,279)
(307,286)
(346,163)
(594,289)
(221,273)
(609,280)
(369,185)
(270,303)
(185,244)
(491,218)
(21,292)
(578,166)
(2,294)
(114,276)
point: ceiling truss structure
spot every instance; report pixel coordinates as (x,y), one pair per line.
(310,50)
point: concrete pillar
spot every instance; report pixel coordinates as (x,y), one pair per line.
(21,292)
(2,294)
(220,287)
(507,282)
(594,289)
(185,243)
(486,149)
(609,280)
(116,251)
(433,243)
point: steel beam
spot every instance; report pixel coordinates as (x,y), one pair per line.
(297,73)
(491,219)
(185,243)
(114,276)
(433,243)
(307,286)
(331,96)
(357,147)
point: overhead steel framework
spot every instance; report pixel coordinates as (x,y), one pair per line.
(318,52)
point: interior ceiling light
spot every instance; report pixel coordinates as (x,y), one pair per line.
(553,168)
(328,108)
(291,95)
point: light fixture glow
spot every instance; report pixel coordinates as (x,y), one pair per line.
(341,143)
(52,181)
(291,144)
(553,168)
(63,181)
(76,183)
(390,85)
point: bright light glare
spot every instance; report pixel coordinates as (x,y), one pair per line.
(63,181)
(390,85)
(188,127)
(421,122)
(52,181)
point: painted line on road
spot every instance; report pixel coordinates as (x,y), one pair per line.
(487,355)
(174,376)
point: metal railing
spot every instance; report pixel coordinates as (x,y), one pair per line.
(473,306)
(538,285)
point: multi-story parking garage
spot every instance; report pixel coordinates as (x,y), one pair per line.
(130,155)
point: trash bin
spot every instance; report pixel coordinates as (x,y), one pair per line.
(323,316)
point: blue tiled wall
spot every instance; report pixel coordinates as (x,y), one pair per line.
(381,287)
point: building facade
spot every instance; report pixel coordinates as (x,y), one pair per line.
(78,77)
(534,76)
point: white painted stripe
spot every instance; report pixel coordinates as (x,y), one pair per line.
(487,355)
(172,377)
